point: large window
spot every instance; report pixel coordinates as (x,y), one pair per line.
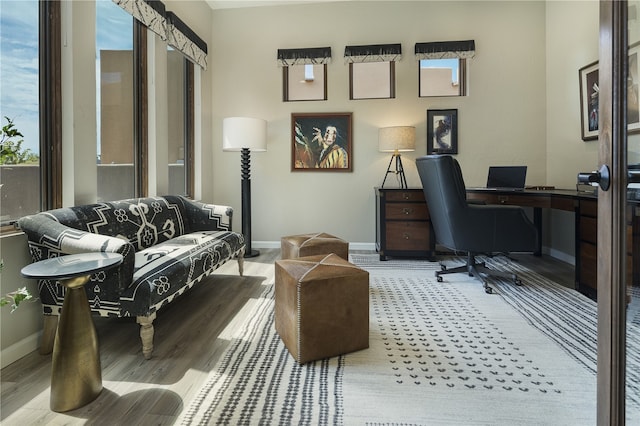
(19,110)
(115,102)
(180,123)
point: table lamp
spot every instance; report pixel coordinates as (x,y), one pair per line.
(245,134)
(396,139)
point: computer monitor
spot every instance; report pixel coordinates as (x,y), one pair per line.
(507,177)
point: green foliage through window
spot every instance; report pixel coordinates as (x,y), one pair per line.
(11,151)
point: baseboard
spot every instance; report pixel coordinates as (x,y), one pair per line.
(560,255)
(18,350)
(276,245)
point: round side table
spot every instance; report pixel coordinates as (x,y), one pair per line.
(76,375)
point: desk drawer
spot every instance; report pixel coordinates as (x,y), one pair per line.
(588,229)
(408,195)
(406,211)
(588,265)
(407,236)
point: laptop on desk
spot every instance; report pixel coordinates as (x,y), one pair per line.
(507,178)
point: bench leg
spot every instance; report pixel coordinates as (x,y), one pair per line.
(49,328)
(146,334)
(240,265)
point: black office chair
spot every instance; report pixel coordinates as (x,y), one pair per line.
(471,228)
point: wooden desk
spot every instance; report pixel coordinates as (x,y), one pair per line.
(585,207)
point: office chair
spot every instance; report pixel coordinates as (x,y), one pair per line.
(471,228)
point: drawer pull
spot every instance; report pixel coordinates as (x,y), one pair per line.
(503,199)
(405,235)
(406,196)
(407,210)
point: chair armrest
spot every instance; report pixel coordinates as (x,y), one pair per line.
(50,238)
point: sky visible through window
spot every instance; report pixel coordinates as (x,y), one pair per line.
(19,59)
(19,69)
(442,63)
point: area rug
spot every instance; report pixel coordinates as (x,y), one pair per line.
(440,354)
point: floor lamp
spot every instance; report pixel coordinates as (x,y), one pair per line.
(396,139)
(245,135)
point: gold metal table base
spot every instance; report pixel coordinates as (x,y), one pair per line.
(76,374)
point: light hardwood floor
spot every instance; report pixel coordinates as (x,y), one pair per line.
(190,336)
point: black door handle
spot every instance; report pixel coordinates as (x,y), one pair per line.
(601,177)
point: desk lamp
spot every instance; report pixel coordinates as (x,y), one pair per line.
(245,135)
(397,139)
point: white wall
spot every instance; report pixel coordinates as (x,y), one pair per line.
(502,121)
(566,152)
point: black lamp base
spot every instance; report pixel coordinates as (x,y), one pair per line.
(251,253)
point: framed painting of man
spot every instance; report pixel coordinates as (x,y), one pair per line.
(321,142)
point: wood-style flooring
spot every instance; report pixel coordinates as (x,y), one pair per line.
(190,336)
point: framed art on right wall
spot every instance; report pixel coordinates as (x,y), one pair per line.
(589,92)
(442,131)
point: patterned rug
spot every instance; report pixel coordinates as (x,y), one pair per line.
(440,353)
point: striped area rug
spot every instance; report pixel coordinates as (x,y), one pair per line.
(440,353)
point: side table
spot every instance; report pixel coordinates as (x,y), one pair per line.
(76,375)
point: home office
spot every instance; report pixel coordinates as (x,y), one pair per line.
(522,108)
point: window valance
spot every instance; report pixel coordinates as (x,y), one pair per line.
(167,25)
(151,13)
(182,38)
(446,50)
(315,55)
(373,53)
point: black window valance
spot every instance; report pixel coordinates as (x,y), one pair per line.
(446,49)
(373,53)
(152,14)
(184,39)
(314,55)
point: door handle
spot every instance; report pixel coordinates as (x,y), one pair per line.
(601,177)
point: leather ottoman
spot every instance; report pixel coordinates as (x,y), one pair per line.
(309,244)
(321,306)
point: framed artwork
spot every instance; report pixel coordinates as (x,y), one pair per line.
(442,131)
(589,94)
(321,142)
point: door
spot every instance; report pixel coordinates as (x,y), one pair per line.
(612,197)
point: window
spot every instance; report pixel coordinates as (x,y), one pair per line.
(442,67)
(372,70)
(180,123)
(115,102)
(305,82)
(304,73)
(442,77)
(19,103)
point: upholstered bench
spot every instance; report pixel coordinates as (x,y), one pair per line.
(168,243)
(321,306)
(294,246)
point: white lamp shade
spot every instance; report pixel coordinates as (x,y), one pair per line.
(244,132)
(398,138)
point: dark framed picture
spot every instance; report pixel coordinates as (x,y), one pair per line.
(321,142)
(442,131)
(589,94)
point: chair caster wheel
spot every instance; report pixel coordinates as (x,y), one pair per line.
(439,278)
(443,267)
(488,289)
(517,282)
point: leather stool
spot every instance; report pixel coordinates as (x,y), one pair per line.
(309,244)
(321,306)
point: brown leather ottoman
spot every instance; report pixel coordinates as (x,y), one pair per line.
(321,306)
(309,244)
